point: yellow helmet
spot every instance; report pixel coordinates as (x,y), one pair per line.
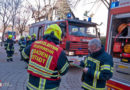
(122,27)
(10,36)
(127,48)
(34,35)
(29,37)
(54,28)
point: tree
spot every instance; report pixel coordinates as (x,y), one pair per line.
(5,16)
(42,10)
(73,3)
(35,9)
(15,7)
(22,19)
(8,11)
(48,10)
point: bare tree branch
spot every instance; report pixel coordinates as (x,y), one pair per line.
(15,5)
(5,15)
(22,20)
(105,3)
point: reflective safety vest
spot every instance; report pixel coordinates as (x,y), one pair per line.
(43,60)
(10,48)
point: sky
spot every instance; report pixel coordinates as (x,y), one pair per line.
(99,10)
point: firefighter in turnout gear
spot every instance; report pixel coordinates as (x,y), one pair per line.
(9,47)
(22,44)
(28,40)
(48,61)
(33,38)
(97,67)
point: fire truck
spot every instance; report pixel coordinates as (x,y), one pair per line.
(10,33)
(118,44)
(75,37)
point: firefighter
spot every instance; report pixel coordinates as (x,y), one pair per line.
(9,47)
(28,40)
(33,37)
(97,67)
(47,61)
(22,44)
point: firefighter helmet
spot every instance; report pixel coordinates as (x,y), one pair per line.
(29,37)
(127,48)
(10,36)
(56,29)
(122,27)
(34,35)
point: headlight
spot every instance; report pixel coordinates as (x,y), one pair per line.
(71,53)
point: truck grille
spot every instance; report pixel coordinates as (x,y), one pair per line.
(80,48)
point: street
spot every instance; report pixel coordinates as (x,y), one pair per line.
(13,75)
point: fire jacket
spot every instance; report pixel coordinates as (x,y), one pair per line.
(28,43)
(22,44)
(100,69)
(33,40)
(9,45)
(47,64)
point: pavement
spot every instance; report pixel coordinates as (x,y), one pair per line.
(13,75)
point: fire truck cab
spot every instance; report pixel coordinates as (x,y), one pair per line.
(118,44)
(75,37)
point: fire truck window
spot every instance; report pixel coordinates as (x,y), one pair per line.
(77,30)
(81,31)
(40,33)
(74,29)
(91,31)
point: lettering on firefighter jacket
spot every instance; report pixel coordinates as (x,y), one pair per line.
(43,60)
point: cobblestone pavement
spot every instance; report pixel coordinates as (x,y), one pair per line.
(13,75)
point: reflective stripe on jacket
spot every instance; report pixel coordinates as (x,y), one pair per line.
(22,44)
(9,45)
(43,60)
(61,67)
(100,69)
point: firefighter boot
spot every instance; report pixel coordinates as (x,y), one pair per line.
(7,60)
(11,59)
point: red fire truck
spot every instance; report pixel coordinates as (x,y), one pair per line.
(76,34)
(10,33)
(118,44)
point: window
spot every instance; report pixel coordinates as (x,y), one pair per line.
(82,31)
